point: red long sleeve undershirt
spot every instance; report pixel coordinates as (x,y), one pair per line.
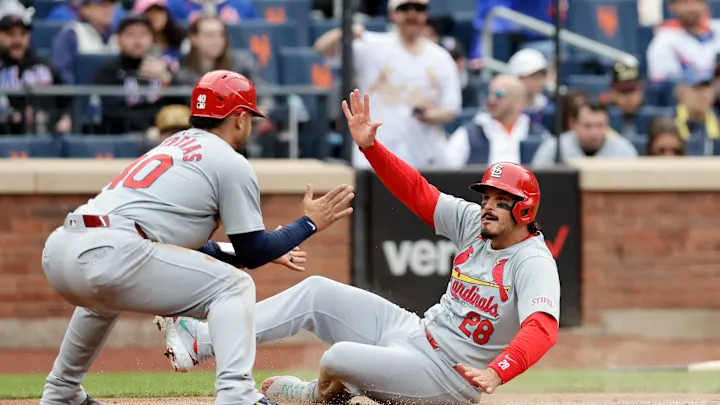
(538,332)
(406,183)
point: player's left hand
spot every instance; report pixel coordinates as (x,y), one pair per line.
(293,259)
(486,379)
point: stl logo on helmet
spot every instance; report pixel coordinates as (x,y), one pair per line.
(496,170)
(201,102)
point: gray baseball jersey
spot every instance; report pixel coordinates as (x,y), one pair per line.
(179,191)
(177,194)
(491,292)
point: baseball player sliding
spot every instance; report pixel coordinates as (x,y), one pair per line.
(132,247)
(498,316)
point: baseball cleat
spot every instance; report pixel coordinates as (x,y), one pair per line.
(181,341)
(287,387)
(266,401)
(90,401)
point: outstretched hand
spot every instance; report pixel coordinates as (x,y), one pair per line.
(487,379)
(293,259)
(363,130)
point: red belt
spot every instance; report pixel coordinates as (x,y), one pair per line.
(103,221)
(431,339)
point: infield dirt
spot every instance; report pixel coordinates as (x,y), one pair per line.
(496,399)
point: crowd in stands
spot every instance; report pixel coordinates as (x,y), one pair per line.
(418,59)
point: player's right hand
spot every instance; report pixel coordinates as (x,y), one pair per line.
(363,131)
(329,208)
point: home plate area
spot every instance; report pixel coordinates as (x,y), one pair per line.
(504,399)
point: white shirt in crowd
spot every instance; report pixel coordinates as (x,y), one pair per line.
(673,49)
(397,81)
(503,146)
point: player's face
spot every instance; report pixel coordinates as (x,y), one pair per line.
(243,124)
(496,218)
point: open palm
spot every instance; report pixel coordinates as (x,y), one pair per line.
(363,130)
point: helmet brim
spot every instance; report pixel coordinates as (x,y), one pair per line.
(481,187)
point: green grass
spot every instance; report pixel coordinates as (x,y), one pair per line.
(107,385)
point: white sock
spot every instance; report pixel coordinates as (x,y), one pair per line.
(204,345)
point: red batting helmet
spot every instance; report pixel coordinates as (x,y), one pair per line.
(220,93)
(517,180)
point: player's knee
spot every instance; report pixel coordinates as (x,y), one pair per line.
(319,283)
(241,282)
(334,361)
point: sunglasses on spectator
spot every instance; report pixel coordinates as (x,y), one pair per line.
(412,6)
(497,94)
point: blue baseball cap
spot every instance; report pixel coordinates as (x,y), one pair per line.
(694,77)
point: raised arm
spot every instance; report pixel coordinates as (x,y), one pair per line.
(451,217)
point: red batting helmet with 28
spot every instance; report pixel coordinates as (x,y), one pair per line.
(220,93)
(517,180)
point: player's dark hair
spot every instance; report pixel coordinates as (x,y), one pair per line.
(534,227)
(205,123)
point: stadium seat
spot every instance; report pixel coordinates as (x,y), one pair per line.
(44,33)
(464,116)
(29,146)
(644,117)
(284,11)
(264,40)
(460,5)
(528,148)
(716,147)
(611,22)
(44,7)
(108,146)
(87,64)
(302,66)
(594,85)
(548,118)
(464,30)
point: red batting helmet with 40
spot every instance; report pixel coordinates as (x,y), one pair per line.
(220,93)
(517,180)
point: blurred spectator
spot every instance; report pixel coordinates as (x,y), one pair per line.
(168,37)
(664,138)
(169,120)
(134,67)
(436,30)
(717,86)
(93,33)
(690,42)
(412,81)
(495,136)
(229,11)
(20,67)
(589,138)
(573,99)
(627,95)
(531,67)
(694,113)
(210,50)
(69,12)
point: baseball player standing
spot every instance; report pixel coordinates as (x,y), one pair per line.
(132,248)
(498,316)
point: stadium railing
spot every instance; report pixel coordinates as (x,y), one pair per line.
(491,65)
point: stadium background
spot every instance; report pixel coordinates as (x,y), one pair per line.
(639,237)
